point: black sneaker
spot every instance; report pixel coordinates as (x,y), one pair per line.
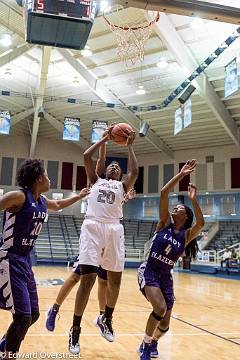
(73,345)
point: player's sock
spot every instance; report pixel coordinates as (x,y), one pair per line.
(77,320)
(108,312)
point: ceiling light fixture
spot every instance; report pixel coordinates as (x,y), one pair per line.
(162,63)
(76,82)
(8,74)
(86,52)
(6,40)
(103,5)
(197,24)
(140,90)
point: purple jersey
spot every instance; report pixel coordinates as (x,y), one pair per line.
(21,229)
(167,246)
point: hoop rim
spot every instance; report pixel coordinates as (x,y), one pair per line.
(125,28)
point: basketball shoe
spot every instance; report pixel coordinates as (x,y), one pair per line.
(144,351)
(51,318)
(73,345)
(154,350)
(105,326)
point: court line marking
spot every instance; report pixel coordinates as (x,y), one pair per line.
(206,331)
(134,334)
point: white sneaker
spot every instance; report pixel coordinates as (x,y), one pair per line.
(73,345)
(105,326)
(95,321)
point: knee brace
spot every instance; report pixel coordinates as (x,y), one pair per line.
(17,331)
(156,316)
(35,317)
(163,331)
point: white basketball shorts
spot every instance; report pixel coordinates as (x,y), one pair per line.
(102,244)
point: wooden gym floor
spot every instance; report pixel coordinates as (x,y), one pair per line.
(205,323)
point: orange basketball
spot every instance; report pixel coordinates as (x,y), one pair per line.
(119,133)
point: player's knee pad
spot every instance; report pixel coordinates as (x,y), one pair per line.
(156,316)
(17,331)
(35,316)
(163,330)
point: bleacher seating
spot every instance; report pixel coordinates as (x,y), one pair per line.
(229,234)
(58,242)
(59,239)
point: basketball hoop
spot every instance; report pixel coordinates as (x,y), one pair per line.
(131,33)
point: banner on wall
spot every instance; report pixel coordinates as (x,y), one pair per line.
(98,128)
(71,129)
(178,121)
(187,120)
(5,122)
(231,78)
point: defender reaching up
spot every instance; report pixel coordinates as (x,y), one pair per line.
(173,233)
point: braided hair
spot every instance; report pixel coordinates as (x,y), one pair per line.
(191,249)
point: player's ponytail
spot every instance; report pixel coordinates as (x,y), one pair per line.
(189,220)
(191,249)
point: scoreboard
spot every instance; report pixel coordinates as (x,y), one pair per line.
(71,8)
(60,23)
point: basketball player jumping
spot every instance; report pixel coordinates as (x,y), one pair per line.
(173,233)
(101,229)
(75,276)
(25,211)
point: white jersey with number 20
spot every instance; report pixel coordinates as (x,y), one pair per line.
(106,200)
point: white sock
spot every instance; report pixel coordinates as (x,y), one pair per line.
(147,339)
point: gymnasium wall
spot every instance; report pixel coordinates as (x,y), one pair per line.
(219,175)
(156,169)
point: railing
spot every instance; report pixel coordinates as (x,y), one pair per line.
(212,232)
(136,254)
(207,256)
(220,252)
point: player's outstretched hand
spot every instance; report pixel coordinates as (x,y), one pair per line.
(107,135)
(188,167)
(192,191)
(131,194)
(84,192)
(130,138)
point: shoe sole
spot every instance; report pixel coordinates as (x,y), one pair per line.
(95,322)
(74,353)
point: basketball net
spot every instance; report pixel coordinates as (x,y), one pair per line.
(131,32)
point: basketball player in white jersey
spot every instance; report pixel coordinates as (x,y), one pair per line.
(102,237)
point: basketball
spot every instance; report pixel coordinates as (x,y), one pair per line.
(119,132)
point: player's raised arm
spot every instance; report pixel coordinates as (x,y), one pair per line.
(88,154)
(100,166)
(194,231)
(132,172)
(164,197)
